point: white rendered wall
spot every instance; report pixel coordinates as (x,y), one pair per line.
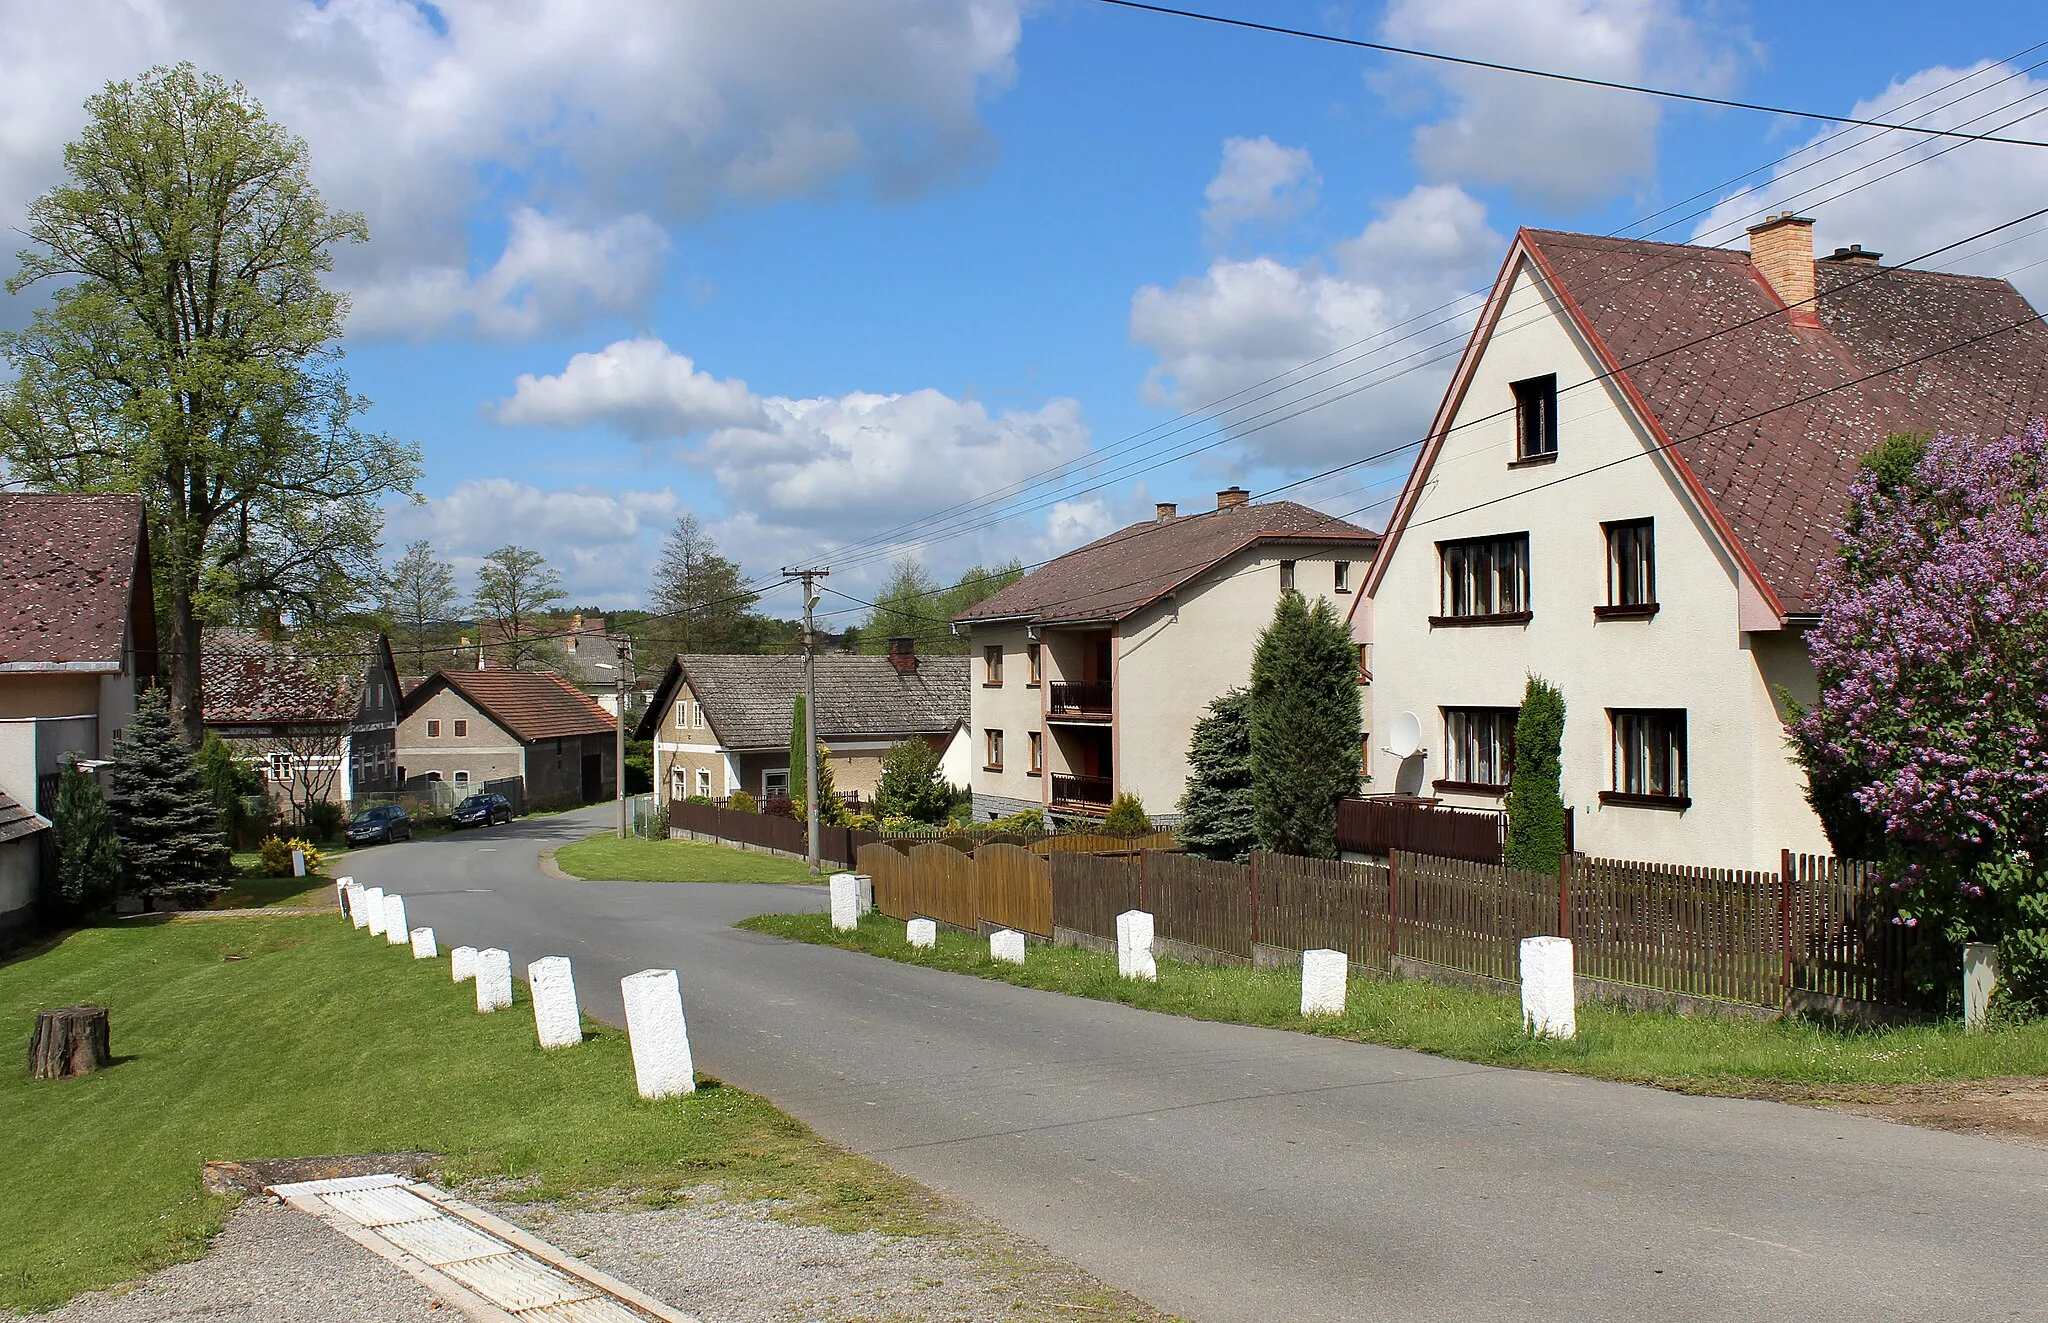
(1747,797)
(1014,708)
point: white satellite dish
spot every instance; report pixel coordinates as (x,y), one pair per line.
(1406,735)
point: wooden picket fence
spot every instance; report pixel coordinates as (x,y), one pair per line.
(1001,885)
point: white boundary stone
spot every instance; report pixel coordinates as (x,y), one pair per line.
(1549,999)
(1134,947)
(660,1038)
(298,863)
(345,896)
(373,911)
(922,933)
(1324,974)
(462,963)
(395,931)
(1980,981)
(864,887)
(845,902)
(1006,946)
(352,899)
(423,947)
(555,1015)
(493,980)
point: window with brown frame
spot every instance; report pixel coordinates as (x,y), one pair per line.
(1631,569)
(433,730)
(1365,663)
(992,664)
(1479,748)
(992,741)
(461,729)
(1365,756)
(1649,758)
(1033,675)
(1535,418)
(1037,752)
(1485,581)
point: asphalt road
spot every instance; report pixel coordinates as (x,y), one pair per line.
(1234,1174)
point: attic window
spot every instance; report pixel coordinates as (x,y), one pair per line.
(1536,418)
(461,729)
(433,730)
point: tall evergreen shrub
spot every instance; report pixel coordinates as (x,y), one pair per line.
(1535,799)
(168,825)
(88,854)
(799,776)
(1305,727)
(1216,817)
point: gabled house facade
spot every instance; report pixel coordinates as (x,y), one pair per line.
(1629,490)
(470,728)
(315,739)
(77,637)
(1091,672)
(720,723)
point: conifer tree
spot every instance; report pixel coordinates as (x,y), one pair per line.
(1216,809)
(88,854)
(1535,801)
(1305,728)
(167,823)
(1126,816)
(799,773)
(911,785)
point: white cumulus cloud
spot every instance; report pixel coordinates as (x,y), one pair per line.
(602,541)
(642,387)
(1259,180)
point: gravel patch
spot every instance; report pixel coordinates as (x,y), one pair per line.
(270,1264)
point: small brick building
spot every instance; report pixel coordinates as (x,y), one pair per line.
(470,727)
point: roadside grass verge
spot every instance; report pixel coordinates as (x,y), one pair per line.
(1690,1053)
(253,891)
(606,858)
(313,1039)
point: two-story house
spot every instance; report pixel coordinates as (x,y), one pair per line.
(721,723)
(1092,670)
(1629,488)
(77,635)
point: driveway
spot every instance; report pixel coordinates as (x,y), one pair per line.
(1234,1174)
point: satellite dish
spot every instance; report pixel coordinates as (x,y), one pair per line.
(1406,735)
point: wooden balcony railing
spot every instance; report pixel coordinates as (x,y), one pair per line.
(1089,698)
(1092,791)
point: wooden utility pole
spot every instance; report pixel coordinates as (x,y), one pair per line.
(810,707)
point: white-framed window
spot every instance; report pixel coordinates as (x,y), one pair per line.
(461,778)
(279,765)
(775,785)
(696,715)
(704,782)
(1479,746)
(433,776)
(1341,576)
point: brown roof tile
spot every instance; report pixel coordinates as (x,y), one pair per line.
(533,705)
(748,699)
(67,578)
(1115,575)
(246,679)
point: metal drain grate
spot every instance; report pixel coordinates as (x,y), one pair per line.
(483,1265)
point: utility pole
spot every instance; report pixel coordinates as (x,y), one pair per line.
(810,706)
(625,671)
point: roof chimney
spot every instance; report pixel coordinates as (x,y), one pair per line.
(1232,497)
(903,654)
(1853,255)
(1781,250)
(1165,511)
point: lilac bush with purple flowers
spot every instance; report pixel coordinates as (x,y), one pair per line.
(1928,747)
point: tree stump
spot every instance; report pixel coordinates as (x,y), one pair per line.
(71,1040)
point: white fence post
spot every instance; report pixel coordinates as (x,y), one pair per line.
(1134,947)
(423,947)
(1549,997)
(1980,981)
(462,963)
(659,1036)
(845,902)
(493,980)
(922,933)
(1006,946)
(1324,977)
(555,1014)
(395,931)
(373,911)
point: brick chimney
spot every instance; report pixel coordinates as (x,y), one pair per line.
(1853,255)
(1165,511)
(1232,497)
(903,654)
(1781,249)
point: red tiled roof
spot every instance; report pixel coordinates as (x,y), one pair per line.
(1772,418)
(245,679)
(533,705)
(1115,575)
(68,577)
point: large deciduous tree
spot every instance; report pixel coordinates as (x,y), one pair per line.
(1928,745)
(913,603)
(515,587)
(419,598)
(1304,727)
(189,354)
(700,594)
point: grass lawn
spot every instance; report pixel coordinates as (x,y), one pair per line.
(283,1037)
(1691,1053)
(606,858)
(252,891)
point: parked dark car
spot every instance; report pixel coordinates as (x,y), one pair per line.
(385,823)
(481,811)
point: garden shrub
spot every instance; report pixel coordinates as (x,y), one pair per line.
(742,802)
(275,856)
(1126,816)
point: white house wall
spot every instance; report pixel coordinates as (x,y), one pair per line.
(1747,797)
(1016,708)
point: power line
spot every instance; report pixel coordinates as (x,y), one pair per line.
(1440,57)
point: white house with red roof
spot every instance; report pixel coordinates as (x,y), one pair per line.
(1629,488)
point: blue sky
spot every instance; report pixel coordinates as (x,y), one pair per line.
(815,268)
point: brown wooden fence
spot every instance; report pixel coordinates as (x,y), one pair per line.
(1198,901)
(1090,890)
(1322,905)
(942,885)
(890,869)
(1382,825)
(764,830)
(1844,945)
(1703,932)
(1013,888)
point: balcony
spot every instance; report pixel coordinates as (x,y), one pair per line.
(1079,700)
(1082,791)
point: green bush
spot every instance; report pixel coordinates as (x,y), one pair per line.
(911,785)
(274,856)
(1535,802)
(1024,822)
(863,822)
(699,799)
(1126,816)
(88,854)
(742,802)
(322,819)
